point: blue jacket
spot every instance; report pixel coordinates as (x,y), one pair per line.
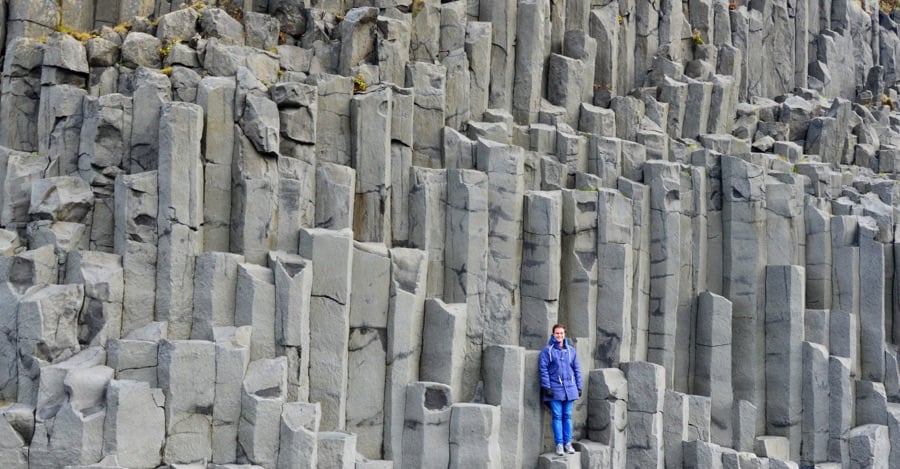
(560,371)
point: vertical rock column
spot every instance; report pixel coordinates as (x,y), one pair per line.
(872,331)
(639,195)
(427,221)
(254,176)
(540,277)
(608,412)
(503,18)
(136,208)
(466,262)
(59,126)
(331,253)
(475,436)
(453,56)
(369,306)
(370,123)
(504,387)
(478,50)
(532,50)
(784,354)
(297,114)
(665,235)
(103,153)
(180,182)
(20,99)
(504,166)
(215,279)
(255,306)
(818,258)
(712,368)
(151,90)
(429,82)
(693,273)
(187,373)
(843,340)
(815,400)
(404,342)
(216,96)
(840,415)
(232,359)
(426,428)
(744,254)
(402,138)
(443,343)
(646,396)
(614,279)
(293,286)
(103,280)
(262,400)
(333,118)
(578,276)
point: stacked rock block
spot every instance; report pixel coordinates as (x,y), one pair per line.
(337,234)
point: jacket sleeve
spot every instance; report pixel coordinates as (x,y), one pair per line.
(543,365)
(576,369)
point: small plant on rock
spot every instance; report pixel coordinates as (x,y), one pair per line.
(167,47)
(359,84)
(697,37)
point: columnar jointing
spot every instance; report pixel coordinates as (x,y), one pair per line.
(338,234)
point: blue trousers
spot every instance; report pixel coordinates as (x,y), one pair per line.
(561,411)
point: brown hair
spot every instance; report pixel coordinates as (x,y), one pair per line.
(558,326)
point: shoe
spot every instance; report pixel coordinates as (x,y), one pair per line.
(559,450)
(569,448)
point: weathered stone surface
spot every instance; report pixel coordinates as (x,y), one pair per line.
(187,378)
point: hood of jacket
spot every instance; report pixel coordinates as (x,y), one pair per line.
(553,343)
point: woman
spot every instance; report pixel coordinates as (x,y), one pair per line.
(560,385)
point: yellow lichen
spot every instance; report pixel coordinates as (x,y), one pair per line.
(359,84)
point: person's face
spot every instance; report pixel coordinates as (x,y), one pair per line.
(559,334)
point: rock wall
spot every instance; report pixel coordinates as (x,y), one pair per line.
(334,233)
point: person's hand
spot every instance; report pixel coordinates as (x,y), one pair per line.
(547,392)
(579,393)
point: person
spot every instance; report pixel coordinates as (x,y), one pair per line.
(560,385)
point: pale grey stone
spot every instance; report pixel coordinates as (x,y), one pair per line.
(331,253)
(429,82)
(298,440)
(532,50)
(370,121)
(255,306)
(814,426)
(215,278)
(474,436)
(426,432)
(262,397)
(392,48)
(216,23)
(141,50)
(540,286)
(504,167)
(333,118)
(187,377)
(254,198)
(869,446)
(478,50)
(336,449)
(504,387)
(178,25)
(443,343)
(403,340)
(134,427)
(232,359)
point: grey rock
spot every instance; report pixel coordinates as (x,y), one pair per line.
(426,437)
(261,31)
(187,378)
(134,428)
(64,198)
(216,23)
(179,25)
(474,435)
(141,50)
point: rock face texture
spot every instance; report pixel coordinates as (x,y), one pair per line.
(336,234)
